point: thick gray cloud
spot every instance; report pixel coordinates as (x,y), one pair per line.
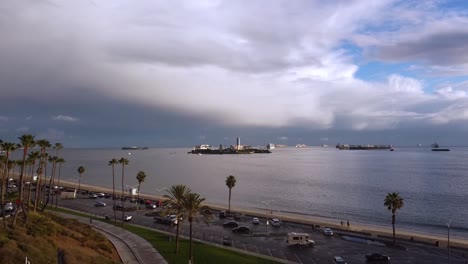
(108,72)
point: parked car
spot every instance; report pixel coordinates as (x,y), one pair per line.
(328,231)
(100,204)
(100,195)
(377,257)
(93,196)
(242,229)
(227,241)
(338,260)
(231,224)
(151,206)
(8,207)
(118,207)
(222,214)
(255,221)
(275,222)
(127,218)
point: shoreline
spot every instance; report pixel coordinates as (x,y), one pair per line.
(375,232)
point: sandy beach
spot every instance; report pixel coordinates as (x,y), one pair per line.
(374,231)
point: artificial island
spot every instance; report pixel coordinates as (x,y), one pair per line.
(233,149)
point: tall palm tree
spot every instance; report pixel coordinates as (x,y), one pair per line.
(112,163)
(191,204)
(140,178)
(27,141)
(230,183)
(175,195)
(80,170)
(60,161)
(393,202)
(43,144)
(8,147)
(124,162)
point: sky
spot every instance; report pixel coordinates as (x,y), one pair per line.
(180,73)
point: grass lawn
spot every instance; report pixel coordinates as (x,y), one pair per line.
(203,253)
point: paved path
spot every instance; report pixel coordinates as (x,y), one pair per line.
(132,249)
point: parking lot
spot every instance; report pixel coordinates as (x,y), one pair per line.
(274,244)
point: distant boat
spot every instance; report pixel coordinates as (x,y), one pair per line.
(271,146)
(435,147)
(325,145)
(301,145)
(132,147)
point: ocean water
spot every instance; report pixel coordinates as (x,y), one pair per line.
(324,182)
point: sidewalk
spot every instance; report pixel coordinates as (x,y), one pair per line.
(132,249)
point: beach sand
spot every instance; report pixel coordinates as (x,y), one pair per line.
(375,231)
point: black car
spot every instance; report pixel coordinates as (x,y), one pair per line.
(377,257)
(222,214)
(227,241)
(231,224)
(242,229)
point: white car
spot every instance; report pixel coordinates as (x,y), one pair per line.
(127,218)
(328,231)
(255,221)
(275,222)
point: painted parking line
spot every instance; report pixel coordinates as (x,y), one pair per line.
(277,253)
(251,248)
(298,258)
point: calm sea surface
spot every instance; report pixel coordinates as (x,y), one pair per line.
(324,182)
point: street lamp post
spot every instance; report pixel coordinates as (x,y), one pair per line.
(448,240)
(266,214)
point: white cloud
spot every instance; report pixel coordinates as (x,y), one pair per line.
(64,118)
(284,138)
(29,118)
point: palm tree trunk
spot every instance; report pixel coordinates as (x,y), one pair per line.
(29,189)
(123,197)
(229,208)
(5,177)
(113,193)
(50,188)
(177,231)
(58,184)
(20,186)
(393,224)
(191,249)
(138,197)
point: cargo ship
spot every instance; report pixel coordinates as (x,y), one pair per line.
(364,147)
(435,147)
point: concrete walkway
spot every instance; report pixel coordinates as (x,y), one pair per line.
(132,249)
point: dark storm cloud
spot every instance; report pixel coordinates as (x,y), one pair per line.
(440,48)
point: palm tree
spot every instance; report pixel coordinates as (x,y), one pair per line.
(8,147)
(394,202)
(27,141)
(44,144)
(57,147)
(191,204)
(175,195)
(60,161)
(230,183)
(112,163)
(80,170)
(124,162)
(140,178)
